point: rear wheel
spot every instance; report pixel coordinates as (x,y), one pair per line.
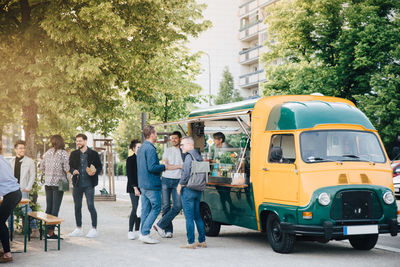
(363,242)
(279,241)
(210,227)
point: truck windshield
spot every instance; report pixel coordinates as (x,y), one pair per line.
(340,145)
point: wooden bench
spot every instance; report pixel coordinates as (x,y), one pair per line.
(48,220)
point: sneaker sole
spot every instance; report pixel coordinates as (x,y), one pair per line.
(160,234)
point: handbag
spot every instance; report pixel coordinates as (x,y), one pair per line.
(198,175)
(139,208)
(63,185)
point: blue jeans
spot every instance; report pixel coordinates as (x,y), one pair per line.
(151,207)
(32,221)
(77,194)
(169,189)
(191,209)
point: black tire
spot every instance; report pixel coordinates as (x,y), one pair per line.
(211,228)
(280,242)
(363,242)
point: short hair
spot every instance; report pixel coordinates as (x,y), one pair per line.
(133,143)
(81,135)
(19,142)
(57,142)
(189,139)
(147,131)
(219,135)
(178,133)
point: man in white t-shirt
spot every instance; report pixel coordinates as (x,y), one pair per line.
(169,182)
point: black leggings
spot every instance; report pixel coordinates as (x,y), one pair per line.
(10,201)
(133,219)
(53,201)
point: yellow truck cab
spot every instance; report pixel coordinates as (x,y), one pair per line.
(315,168)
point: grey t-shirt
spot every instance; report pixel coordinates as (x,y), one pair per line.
(174,157)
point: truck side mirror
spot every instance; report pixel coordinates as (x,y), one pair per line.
(276,154)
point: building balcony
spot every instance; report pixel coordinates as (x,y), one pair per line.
(249,32)
(247,7)
(250,56)
(251,79)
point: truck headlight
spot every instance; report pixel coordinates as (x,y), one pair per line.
(324,199)
(388,197)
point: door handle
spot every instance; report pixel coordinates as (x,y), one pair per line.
(265,169)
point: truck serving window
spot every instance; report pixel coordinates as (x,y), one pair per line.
(340,145)
(282,149)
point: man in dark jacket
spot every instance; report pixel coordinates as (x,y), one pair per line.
(85,166)
(149,172)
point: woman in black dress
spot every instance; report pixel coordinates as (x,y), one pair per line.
(133,189)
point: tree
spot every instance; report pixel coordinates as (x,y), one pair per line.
(338,48)
(70,60)
(227,93)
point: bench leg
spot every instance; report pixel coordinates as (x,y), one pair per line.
(59,232)
(45,236)
(40,230)
(29,230)
(25,226)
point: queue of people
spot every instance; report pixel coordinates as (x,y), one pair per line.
(161,187)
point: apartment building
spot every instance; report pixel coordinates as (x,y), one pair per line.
(252,35)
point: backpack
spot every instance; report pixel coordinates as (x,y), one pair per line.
(198,175)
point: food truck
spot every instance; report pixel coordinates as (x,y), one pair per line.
(302,167)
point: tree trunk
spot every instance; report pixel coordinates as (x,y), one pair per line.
(29,113)
(1,138)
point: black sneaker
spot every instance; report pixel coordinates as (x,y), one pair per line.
(53,237)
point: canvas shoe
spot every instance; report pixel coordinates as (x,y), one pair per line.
(76,232)
(92,233)
(133,235)
(191,246)
(168,235)
(159,230)
(201,244)
(148,240)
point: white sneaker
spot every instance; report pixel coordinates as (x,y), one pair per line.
(168,235)
(92,233)
(133,235)
(148,240)
(159,230)
(76,232)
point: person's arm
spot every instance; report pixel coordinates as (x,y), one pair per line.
(152,162)
(65,160)
(129,171)
(187,165)
(32,175)
(72,167)
(97,163)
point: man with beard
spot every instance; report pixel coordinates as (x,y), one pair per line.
(85,167)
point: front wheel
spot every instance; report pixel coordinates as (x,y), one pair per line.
(211,228)
(363,242)
(279,241)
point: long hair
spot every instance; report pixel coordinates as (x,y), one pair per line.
(57,142)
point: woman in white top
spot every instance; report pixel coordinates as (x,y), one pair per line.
(54,166)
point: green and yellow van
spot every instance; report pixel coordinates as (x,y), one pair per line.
(316,169)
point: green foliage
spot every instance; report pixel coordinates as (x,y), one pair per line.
(227,93)
(338,48)
(70,61)
(120,168)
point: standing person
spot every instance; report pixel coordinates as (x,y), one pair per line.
(10,191)
(191,198)
(25,172)
(85,167)
(169,182)
(149,171)
(54,166)
(133,189)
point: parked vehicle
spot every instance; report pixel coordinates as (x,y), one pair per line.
(396,178)
(314,168)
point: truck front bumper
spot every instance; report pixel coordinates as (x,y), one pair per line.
(330,231)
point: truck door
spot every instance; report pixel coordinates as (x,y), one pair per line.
(279,172)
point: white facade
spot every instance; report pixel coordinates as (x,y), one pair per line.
(220,42)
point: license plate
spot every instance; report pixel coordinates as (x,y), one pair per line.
(360,229)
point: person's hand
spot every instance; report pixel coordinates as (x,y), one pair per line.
(25,190)
(168,167)
(178,189)
(75,172)
(137,192)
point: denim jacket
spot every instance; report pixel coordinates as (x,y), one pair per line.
(149,167)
